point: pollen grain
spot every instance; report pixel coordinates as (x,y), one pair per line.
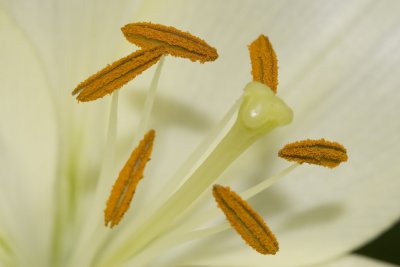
(246,221)
(125,186)
(264,63)
(176,42)
(319,152)
(117,74)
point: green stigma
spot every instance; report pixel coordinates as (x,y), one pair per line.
(261,110)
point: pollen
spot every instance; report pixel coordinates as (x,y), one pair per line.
(247,222)
(264,64)
(117,74)
(125,186)
(176,42)
(319,152)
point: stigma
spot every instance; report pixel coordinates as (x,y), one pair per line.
(262,110)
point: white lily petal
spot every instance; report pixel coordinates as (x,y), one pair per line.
(71,30)
(27,141)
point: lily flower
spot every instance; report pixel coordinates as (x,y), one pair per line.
(338,73)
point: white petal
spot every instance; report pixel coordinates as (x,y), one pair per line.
(73,35)
(28,144)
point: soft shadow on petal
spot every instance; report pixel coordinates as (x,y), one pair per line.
(170,112)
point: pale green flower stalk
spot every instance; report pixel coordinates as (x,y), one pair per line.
(338,69)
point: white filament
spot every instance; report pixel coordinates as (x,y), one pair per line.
(148,105)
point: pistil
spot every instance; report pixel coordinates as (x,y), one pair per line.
(261,111)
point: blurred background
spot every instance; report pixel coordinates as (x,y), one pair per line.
(386,247)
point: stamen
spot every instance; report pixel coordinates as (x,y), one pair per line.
(176,42)
(319,152)
(264,63)
(125,186)
(246,221)
(117,74)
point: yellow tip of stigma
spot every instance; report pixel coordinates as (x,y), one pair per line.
(319,152)
(245,220)
(125,186)
(175,42)
(264,63)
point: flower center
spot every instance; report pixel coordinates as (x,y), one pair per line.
(259,112)
(271,112)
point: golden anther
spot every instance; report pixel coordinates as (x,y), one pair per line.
(117,74)
(125,186)
(264,64)
(320,152)
(176,42)
(246,221)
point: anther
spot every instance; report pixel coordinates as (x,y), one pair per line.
(319,152)
(264,63)
(246,221)
(117,74)
(176,42)
(125,186)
